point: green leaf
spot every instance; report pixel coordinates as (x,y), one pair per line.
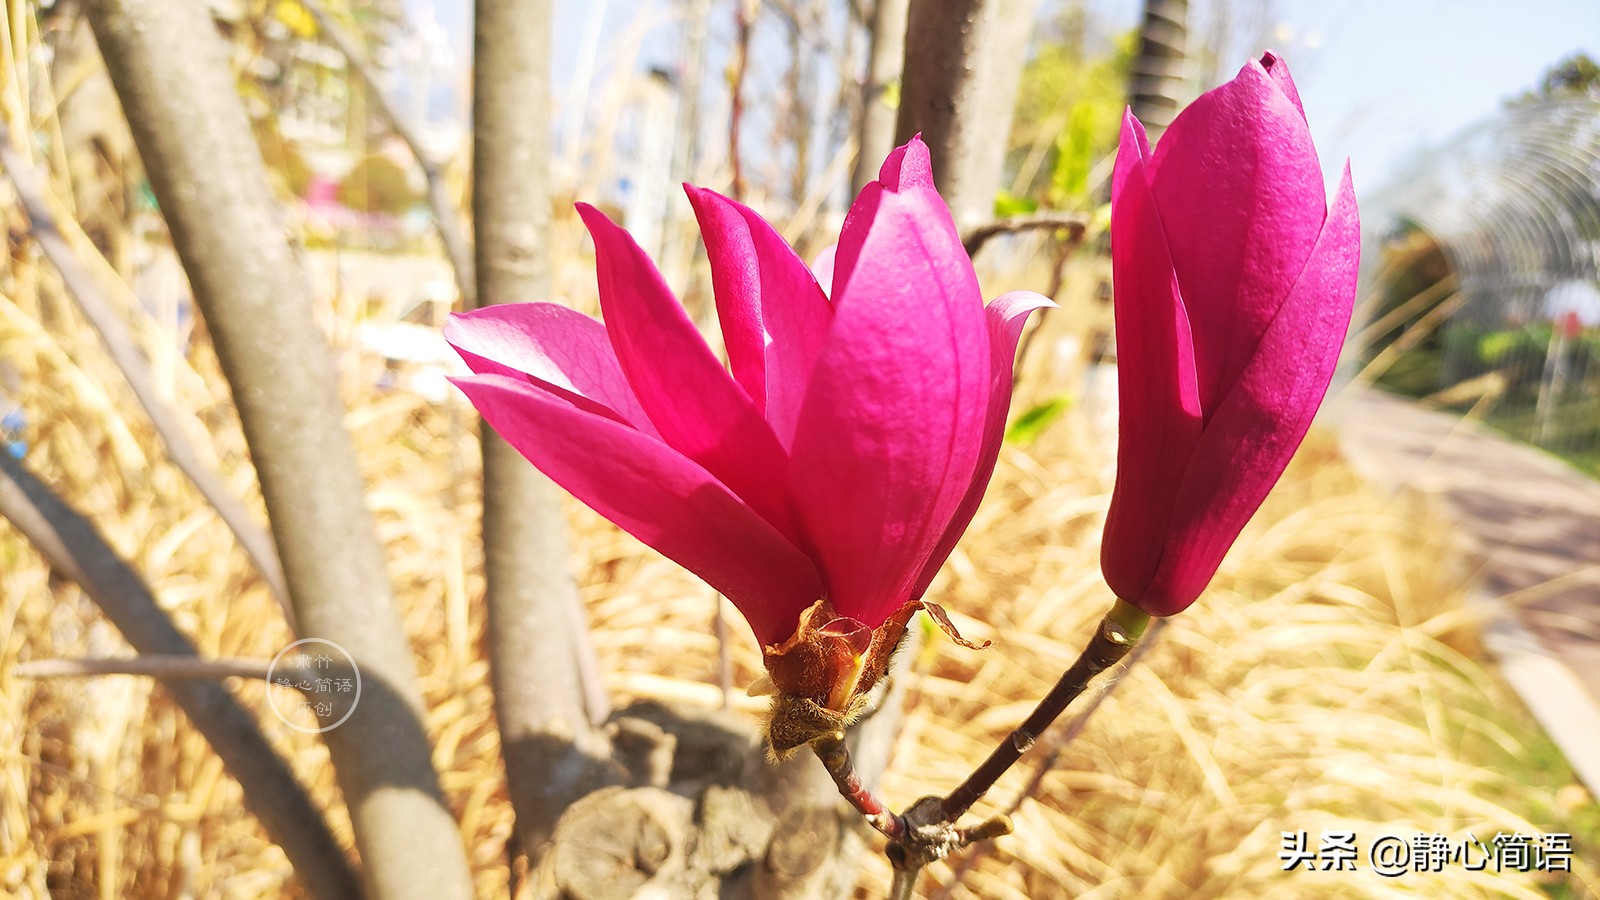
(1028,426)
(1007,204)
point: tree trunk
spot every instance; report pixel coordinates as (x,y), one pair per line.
(1155,85)
(171,72)
(885,58)
(963,63)
(538,640)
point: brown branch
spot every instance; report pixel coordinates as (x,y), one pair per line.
(744,21)
(927,830)
(74,548)
(886,55)
(446,218)
(1077,725)
(1113,638)
(160,667)
(963,63)
(170,71)
(1059,746)
(253,539)
(1074,223)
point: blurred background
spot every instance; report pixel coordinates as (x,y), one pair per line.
(1404,643)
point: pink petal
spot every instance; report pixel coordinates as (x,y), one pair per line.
(736,281)
(1240,192)
(775,317)
(1135,147)
(1156,381)
(1279,70)
(1250,438)
(657,495)
(1006,314)
(552,345)
(907,167)
(696,406)
(822,268)
(892,425)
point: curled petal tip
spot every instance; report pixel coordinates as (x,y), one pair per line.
(908,166)
(1278,71)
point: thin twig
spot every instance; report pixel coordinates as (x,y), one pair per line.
(1075,728)
(446,218)
(253,539)
(719,627)
(177,667)
(1077,725)
(1116,634)
(155,666)
(74,548)
(927,828)
(1065,248)
(1075,224)
(743,23)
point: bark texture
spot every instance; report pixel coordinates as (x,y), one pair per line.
(701,813)
(963,62)
(171,73)
(538,639)
(880,105)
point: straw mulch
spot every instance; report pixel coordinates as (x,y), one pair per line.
(1328,682)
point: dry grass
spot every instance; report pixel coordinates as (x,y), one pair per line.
(1330,680)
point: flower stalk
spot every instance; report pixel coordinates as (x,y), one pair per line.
(835,757)
(926,831)
(1116,634)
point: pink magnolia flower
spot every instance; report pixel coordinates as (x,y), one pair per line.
(1234,283)
(822,482)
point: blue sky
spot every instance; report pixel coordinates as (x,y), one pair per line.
(1380,79)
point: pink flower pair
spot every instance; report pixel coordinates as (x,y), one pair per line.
(822,481)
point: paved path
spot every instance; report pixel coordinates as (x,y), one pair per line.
(1532,523)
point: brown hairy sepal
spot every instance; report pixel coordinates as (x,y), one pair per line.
(821,675)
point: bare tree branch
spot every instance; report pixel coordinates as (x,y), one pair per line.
(170,71)
(686,144)
(1073,223)
(446,217)
(744,24)
(253,539)
(886,56)
(74,548)
(538,641)
(155,666)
